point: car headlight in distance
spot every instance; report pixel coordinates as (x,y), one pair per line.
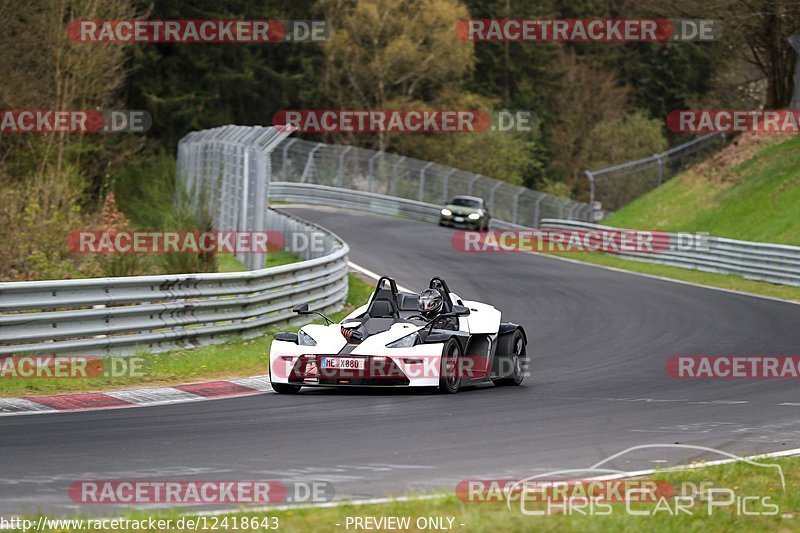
(404,342)
(474,216)
(304,339)
(446,212)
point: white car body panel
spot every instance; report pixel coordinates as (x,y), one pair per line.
(421,363)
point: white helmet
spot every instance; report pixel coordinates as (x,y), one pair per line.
(430,301)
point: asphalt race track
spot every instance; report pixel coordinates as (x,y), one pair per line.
(599,341)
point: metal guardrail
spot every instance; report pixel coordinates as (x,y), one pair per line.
(775,263)
(392,175)
(102,316)
(307,193)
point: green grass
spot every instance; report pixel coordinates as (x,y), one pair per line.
(743,479)
(234,358)
(757,200)
(229,263)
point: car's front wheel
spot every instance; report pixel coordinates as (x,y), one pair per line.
(450,374)
(285,388)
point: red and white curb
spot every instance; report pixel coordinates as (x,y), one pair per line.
(120,399)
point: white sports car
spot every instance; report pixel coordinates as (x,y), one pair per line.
(397,339)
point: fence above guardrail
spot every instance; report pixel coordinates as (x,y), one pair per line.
(381,204)
(226,170)
(392,175)
(618,185)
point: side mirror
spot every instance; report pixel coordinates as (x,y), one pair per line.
(300,309)
(286,336)
(460,310)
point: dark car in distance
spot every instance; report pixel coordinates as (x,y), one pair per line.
(465,211)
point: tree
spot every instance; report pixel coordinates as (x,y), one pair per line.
(753,31)
(623,138)
(189,87)
(389,54)
(587,96)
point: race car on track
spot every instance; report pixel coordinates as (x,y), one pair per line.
(433,339)
(465,211)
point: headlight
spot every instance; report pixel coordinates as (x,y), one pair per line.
(404,342)
(446,212)
(304,339)
(475,216)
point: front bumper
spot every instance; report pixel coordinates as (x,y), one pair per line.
(403,370)
(459,220)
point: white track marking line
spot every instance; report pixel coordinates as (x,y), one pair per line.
(373,275)
(682,282)
(377,501)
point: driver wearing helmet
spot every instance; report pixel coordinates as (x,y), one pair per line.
(430,305)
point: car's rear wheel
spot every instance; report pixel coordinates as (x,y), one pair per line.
(511,347)
(450,376)
(285,388)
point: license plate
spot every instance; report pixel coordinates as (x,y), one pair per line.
(459,219)
(348,363)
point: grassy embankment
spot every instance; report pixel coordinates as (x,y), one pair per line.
(749,190)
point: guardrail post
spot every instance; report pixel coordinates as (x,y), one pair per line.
(245,187)
(261,162)
(422,180)
(491,195)
(590,177)
(285,161)
(572,209)
(310,162)
(660,168)
(446,184)
(371,166)
(473,180)
(340,176)
(393,184)
(562,206)
(536,210)
(516,204)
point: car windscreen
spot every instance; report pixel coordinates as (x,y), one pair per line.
(466,202)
